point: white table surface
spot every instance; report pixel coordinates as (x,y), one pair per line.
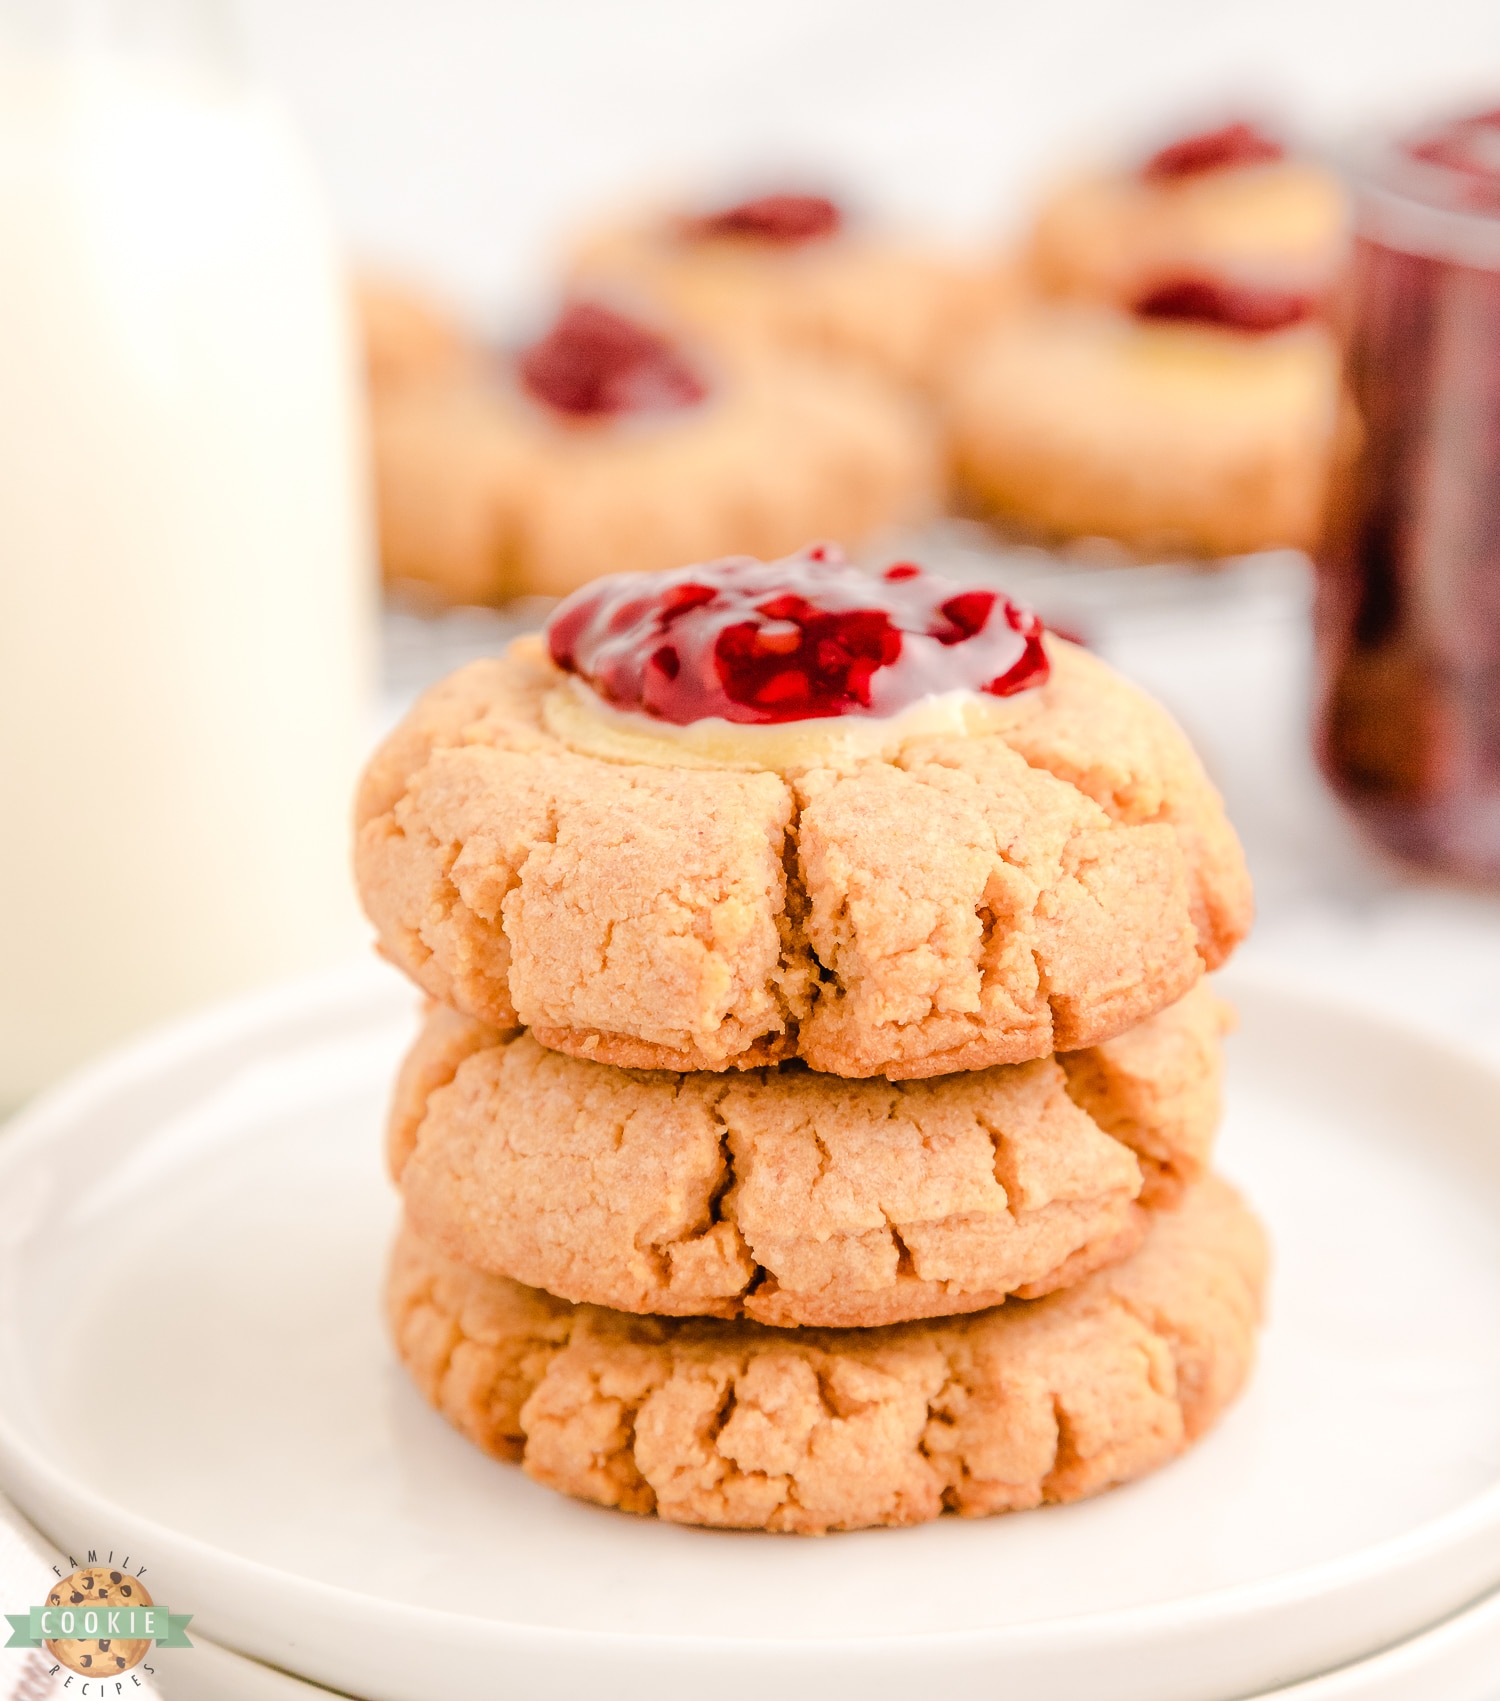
(459,139)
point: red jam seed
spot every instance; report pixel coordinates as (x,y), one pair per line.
(1213,150)
(596,363)
(805,638)
(966,615)
(1215,301)
(782,219)
(817,663)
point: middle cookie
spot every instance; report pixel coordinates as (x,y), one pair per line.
(792,1197)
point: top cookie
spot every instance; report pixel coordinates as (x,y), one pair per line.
(974,880)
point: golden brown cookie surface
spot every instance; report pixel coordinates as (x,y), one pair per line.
(790,1197)
(96,1588)
(958,903)
(1158,1087)
(737,1425)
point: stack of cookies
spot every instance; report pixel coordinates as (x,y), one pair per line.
(810,1126)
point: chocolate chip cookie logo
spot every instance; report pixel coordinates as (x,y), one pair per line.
(98,1624)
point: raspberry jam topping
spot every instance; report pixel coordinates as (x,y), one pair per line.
(782,219)
(1212,150)
(1215,301)
(595,363)
(806,638)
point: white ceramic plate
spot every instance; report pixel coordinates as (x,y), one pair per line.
(192,1365)
(1459,1660)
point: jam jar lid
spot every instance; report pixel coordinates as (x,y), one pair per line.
(1434,190)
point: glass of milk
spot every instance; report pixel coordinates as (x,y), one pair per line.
(186,592)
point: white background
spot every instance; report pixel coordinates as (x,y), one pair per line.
(457,136)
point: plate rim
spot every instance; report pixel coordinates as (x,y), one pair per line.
(342,991)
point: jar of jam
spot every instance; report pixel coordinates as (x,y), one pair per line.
(1408,609)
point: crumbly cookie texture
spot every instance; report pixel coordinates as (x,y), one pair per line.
(901,309)
(968,901)
(738,1425)
(1083,422)
(796,1198)
(483,494)
(1159,1087)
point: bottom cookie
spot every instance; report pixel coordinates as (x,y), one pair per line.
(809,1430)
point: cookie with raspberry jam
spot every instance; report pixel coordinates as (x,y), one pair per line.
(611,443)
(796,272)
(748,811)
(1226,208)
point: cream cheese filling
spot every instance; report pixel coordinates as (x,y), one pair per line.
(573,712)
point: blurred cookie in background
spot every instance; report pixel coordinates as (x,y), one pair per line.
(445,475)
(448,474)
(1170,381)
(611,444)
(1228,207)
(408,337)
(1171,436)
(797,271)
